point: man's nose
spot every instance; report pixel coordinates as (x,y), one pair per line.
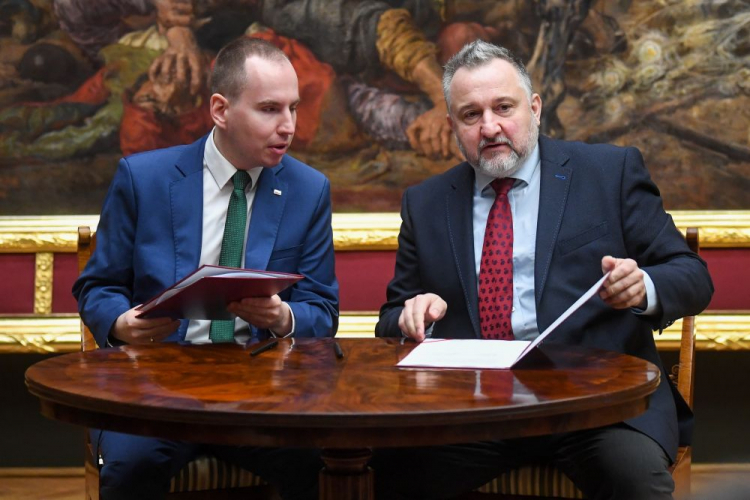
(287,124)
(490,125)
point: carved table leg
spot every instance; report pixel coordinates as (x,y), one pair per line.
(346,475)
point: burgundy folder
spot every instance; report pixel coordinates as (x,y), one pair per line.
(205,293)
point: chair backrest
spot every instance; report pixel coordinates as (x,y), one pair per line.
(685,371)
(86,246)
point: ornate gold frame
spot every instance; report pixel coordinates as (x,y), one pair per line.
(44,236)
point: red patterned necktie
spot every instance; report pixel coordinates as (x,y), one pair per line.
(496,267)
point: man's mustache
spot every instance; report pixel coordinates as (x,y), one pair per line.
(495,141)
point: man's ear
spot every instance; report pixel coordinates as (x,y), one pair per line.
(450,121)
(536,108)
(219,107)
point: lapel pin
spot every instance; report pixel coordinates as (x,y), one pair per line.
(277,192)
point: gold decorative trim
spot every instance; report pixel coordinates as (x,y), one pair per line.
(61,333)
(43,282)
(27,334)
(25,234)
(718,228)
(367,231)
(370,231)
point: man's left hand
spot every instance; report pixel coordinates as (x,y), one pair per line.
(264,312)
(625,286)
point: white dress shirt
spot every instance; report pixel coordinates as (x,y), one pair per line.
(217,189)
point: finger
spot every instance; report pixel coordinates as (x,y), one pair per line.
(408,314)
(413,133)
(436,311)
(445,141)
(608,263)
(419,312)
(630,297)
(167,67)
(196,73)
(155,69)
(180,67)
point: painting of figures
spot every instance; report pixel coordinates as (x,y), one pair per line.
(83,83)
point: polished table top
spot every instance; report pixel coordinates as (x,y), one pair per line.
(300,393)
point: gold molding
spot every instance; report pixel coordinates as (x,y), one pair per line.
(27,234)
(366,231)
(61,333)
(43,267)
(718,228)
(31,334)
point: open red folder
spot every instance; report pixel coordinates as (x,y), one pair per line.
(206,293)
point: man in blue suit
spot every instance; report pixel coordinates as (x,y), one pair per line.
(164,216)
(576,211)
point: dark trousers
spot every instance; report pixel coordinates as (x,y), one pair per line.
(614,462)
(140,467)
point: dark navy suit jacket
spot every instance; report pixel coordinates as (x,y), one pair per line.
(595,200)
(149,237)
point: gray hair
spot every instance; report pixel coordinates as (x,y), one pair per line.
(479,53)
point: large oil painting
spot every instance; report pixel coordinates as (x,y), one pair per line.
(83,82)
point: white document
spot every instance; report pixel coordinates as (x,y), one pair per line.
(465,353)
(484,353)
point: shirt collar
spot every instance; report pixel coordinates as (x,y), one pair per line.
(220,168)
(525,173)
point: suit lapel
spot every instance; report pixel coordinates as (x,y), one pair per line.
(186,199)
(268,207)
(553,194)
(460,231)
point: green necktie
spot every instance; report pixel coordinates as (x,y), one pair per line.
(231,247)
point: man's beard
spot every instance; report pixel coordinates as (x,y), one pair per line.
(500,166)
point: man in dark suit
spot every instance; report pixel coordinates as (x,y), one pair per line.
(165,215)
(568,213)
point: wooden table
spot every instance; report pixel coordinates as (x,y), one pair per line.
(301,394)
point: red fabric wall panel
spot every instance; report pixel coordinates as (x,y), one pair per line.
(17,283)
(730,270)
(363,278)
(66,272)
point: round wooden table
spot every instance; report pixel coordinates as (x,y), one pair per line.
(301,394)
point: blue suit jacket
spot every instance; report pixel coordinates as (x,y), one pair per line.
(595,200)
(149,237)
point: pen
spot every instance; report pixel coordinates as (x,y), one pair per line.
(338,351)
(270,345)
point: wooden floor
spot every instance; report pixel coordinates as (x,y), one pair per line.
(710,482)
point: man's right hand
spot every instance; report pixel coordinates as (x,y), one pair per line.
(133,330)
(418,311)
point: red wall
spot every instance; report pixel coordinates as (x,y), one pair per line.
(363,277)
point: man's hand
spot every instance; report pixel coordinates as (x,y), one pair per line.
(264,312)
(419,310)
(133,330)
(625,286)
(181,64)
(429,134)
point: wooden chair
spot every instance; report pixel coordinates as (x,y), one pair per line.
(545,481)
(203,478)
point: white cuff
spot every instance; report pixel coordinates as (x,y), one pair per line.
(652,299)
